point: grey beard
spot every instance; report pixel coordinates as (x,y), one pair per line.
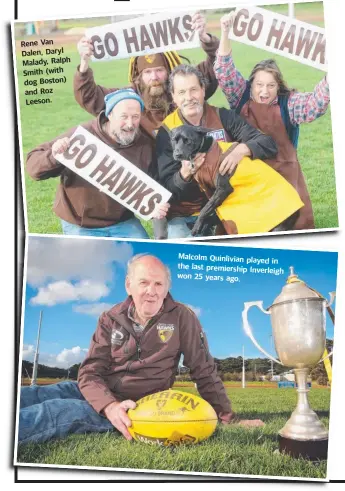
(124,139)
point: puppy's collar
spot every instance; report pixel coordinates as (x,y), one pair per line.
(192,165)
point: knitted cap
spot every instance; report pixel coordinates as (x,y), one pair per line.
(120,95)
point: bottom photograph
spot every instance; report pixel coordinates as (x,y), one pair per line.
(171,358)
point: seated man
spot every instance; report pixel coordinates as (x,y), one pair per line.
(148,76)
(127,360)
(82,208)
(188,86)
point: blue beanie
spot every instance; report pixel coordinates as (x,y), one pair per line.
(120,95)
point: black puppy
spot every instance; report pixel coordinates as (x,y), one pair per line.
(187,141)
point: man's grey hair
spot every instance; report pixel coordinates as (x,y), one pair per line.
(186,70)
(137,257)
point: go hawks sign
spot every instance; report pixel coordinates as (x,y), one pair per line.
(112,174)
(142,36)
(281,35)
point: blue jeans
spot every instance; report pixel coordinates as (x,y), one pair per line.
(128,229)
(178,227)
(54,411)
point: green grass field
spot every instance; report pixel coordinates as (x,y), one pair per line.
(40,123)
(232,449)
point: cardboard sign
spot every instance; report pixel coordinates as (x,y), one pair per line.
(282,35)
(112,174)
(143,35)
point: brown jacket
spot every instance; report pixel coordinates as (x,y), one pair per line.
(77,201)
(120,365)
(90,96)
(268,119)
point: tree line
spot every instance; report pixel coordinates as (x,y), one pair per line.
(228,369)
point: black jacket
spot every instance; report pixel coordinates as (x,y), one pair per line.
(261,146)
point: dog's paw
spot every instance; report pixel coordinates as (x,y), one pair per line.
(197,229)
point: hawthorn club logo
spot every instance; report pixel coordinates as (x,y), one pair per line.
(165,331)
(160,404)
(150,58)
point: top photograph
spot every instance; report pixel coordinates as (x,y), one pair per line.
(196,125)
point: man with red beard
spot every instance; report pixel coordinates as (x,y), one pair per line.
(148,77)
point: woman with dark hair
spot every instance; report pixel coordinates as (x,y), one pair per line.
(267,103)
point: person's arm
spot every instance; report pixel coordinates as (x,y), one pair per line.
(305,107)
(253,143)
(174,176)
(209,44)
(91,376)
(87,93)
(202,367)
(261,146)
(91,380)
(41,163)
(230,80)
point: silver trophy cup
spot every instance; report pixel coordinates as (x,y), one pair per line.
(298,318)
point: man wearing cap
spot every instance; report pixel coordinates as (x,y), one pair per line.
(148,76)
(82,208)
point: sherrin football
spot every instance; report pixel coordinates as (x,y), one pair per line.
(172,417)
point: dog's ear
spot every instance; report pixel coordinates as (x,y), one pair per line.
(173,133)
(207,141)
(207,144)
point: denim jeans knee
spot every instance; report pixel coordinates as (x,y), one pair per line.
(56,418)
(35,394)
(128,229)
(180,227)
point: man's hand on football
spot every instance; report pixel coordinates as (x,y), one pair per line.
(116,412)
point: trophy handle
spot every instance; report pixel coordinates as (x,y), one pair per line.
(328,304)
(248,329)
(331,299)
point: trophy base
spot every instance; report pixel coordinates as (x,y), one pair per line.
(308,449)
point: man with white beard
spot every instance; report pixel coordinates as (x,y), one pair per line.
(82,208)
